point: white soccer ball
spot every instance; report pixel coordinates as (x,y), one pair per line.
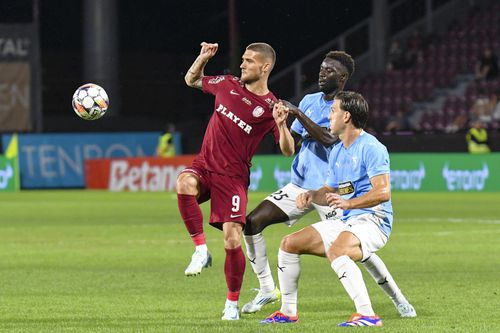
(90,101)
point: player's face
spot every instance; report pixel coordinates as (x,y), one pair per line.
(330,75)
(337,118)
(252,66)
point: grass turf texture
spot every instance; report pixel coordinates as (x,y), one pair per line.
(85,261)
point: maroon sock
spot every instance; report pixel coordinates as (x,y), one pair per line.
(234,269)
(192,216)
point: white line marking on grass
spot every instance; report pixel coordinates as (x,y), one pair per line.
(472,220)
(451,220)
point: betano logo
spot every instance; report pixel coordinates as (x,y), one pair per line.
(466,180)
(145,177)
(408,180)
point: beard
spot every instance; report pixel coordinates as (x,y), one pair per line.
(248,79)
(329,86)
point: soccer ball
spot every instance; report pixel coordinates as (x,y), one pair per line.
(90,101)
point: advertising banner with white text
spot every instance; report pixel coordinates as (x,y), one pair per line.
(409,172)
(429,172)
(57,160)
(140,174)
(20,88)
(443,172)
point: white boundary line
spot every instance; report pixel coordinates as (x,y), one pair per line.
(470,220)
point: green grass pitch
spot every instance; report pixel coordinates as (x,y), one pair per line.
(87,261)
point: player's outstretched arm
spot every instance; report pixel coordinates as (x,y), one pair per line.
(195,73)
(320,134)
(287,143)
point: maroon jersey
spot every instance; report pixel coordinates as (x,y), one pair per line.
(240,121)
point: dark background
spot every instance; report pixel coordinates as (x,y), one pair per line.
(293,27)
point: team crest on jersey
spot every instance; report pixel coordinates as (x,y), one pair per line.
(346,188)
(258,111)
(246,101)
(216,80)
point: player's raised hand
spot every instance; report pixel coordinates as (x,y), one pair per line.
(334,200)
(208,50)
(304,200)
(280,113)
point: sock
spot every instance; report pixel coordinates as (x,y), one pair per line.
(352,280)
(234,269)
(288,276)
(192,216)
(201,248)
(256,253)
(231,303)
(377,269)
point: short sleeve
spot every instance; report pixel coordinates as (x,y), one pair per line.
(376,160)
(296,125)
(330,178)
(212,84)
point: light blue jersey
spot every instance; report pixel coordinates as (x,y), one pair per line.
(350,171)
(310,165)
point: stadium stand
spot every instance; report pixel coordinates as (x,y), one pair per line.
(437,83)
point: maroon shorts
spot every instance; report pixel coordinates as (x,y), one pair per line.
(228,196)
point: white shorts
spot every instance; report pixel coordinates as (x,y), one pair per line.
(285,200)
(365,227)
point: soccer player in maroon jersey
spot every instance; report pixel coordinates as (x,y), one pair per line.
(243,115)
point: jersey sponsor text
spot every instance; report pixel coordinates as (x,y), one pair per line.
(241,124)
(346,188)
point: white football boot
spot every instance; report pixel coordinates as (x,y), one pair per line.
(406,310)
(199,260)
(260,300)
(231,312)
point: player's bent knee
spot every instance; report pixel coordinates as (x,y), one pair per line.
(248,231)
(252,225)
(187,184)
(335,251)
(231,242)
(289,245)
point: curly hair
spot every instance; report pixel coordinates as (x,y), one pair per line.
(344,58)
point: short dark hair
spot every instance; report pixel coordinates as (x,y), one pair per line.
(356,105)
(266,50)
(344,58)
